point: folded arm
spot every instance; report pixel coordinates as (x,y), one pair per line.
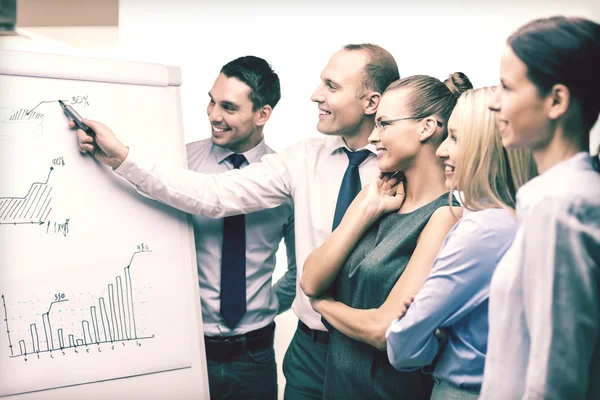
(322,266)
(370,326)
(459,282)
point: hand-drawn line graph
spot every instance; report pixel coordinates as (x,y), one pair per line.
(117,324)
(20,124)
(31,209)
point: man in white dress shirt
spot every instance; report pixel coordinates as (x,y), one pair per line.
(310,172)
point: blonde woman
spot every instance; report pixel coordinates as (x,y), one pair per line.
(455,295)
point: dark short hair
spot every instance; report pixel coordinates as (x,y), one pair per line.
(259,76)
(380,69)
(567,51)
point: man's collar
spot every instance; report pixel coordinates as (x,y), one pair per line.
(337,143)
(252,155)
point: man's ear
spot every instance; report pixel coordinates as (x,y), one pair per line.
(262,115)
(372,103)
(559,100)
(428,127)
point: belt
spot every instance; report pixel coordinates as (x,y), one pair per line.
(316,336)
(226,347)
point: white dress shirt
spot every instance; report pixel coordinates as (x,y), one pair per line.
(309,172)
(544,318)
(264,231)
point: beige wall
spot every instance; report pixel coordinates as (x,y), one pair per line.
(67,13)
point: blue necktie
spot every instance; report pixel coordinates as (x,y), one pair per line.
(348,190)
(350,184)
(233,263)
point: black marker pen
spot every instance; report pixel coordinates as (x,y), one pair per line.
(71,113)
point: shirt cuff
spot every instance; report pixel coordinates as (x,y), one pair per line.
(131,168)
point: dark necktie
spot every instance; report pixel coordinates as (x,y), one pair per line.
(348,190)
(233,263)
(350,184)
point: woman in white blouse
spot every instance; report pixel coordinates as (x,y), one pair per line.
(544,320)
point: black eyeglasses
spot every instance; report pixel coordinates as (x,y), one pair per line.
(380,125)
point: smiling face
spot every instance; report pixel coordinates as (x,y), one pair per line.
(398,143)
(448,151)
(340,112)
(522,111)
(231,117)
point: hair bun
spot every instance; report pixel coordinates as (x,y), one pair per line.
(458,83)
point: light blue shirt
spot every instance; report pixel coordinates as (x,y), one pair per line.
(264,232)
(544,339)
(455,297)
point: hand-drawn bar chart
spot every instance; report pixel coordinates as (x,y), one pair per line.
(31,209)
(20,124)
(111,320)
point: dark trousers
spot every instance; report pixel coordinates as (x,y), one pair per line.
(304,367)
(250,376)
(247,374)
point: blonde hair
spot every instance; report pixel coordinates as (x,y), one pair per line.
(488,175)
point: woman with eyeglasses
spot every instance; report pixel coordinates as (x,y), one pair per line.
(544,340)
(383,250)
(454,298)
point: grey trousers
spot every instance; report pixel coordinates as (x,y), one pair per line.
(304,368)
(444,391)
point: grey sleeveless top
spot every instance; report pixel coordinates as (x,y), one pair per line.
(356,370)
